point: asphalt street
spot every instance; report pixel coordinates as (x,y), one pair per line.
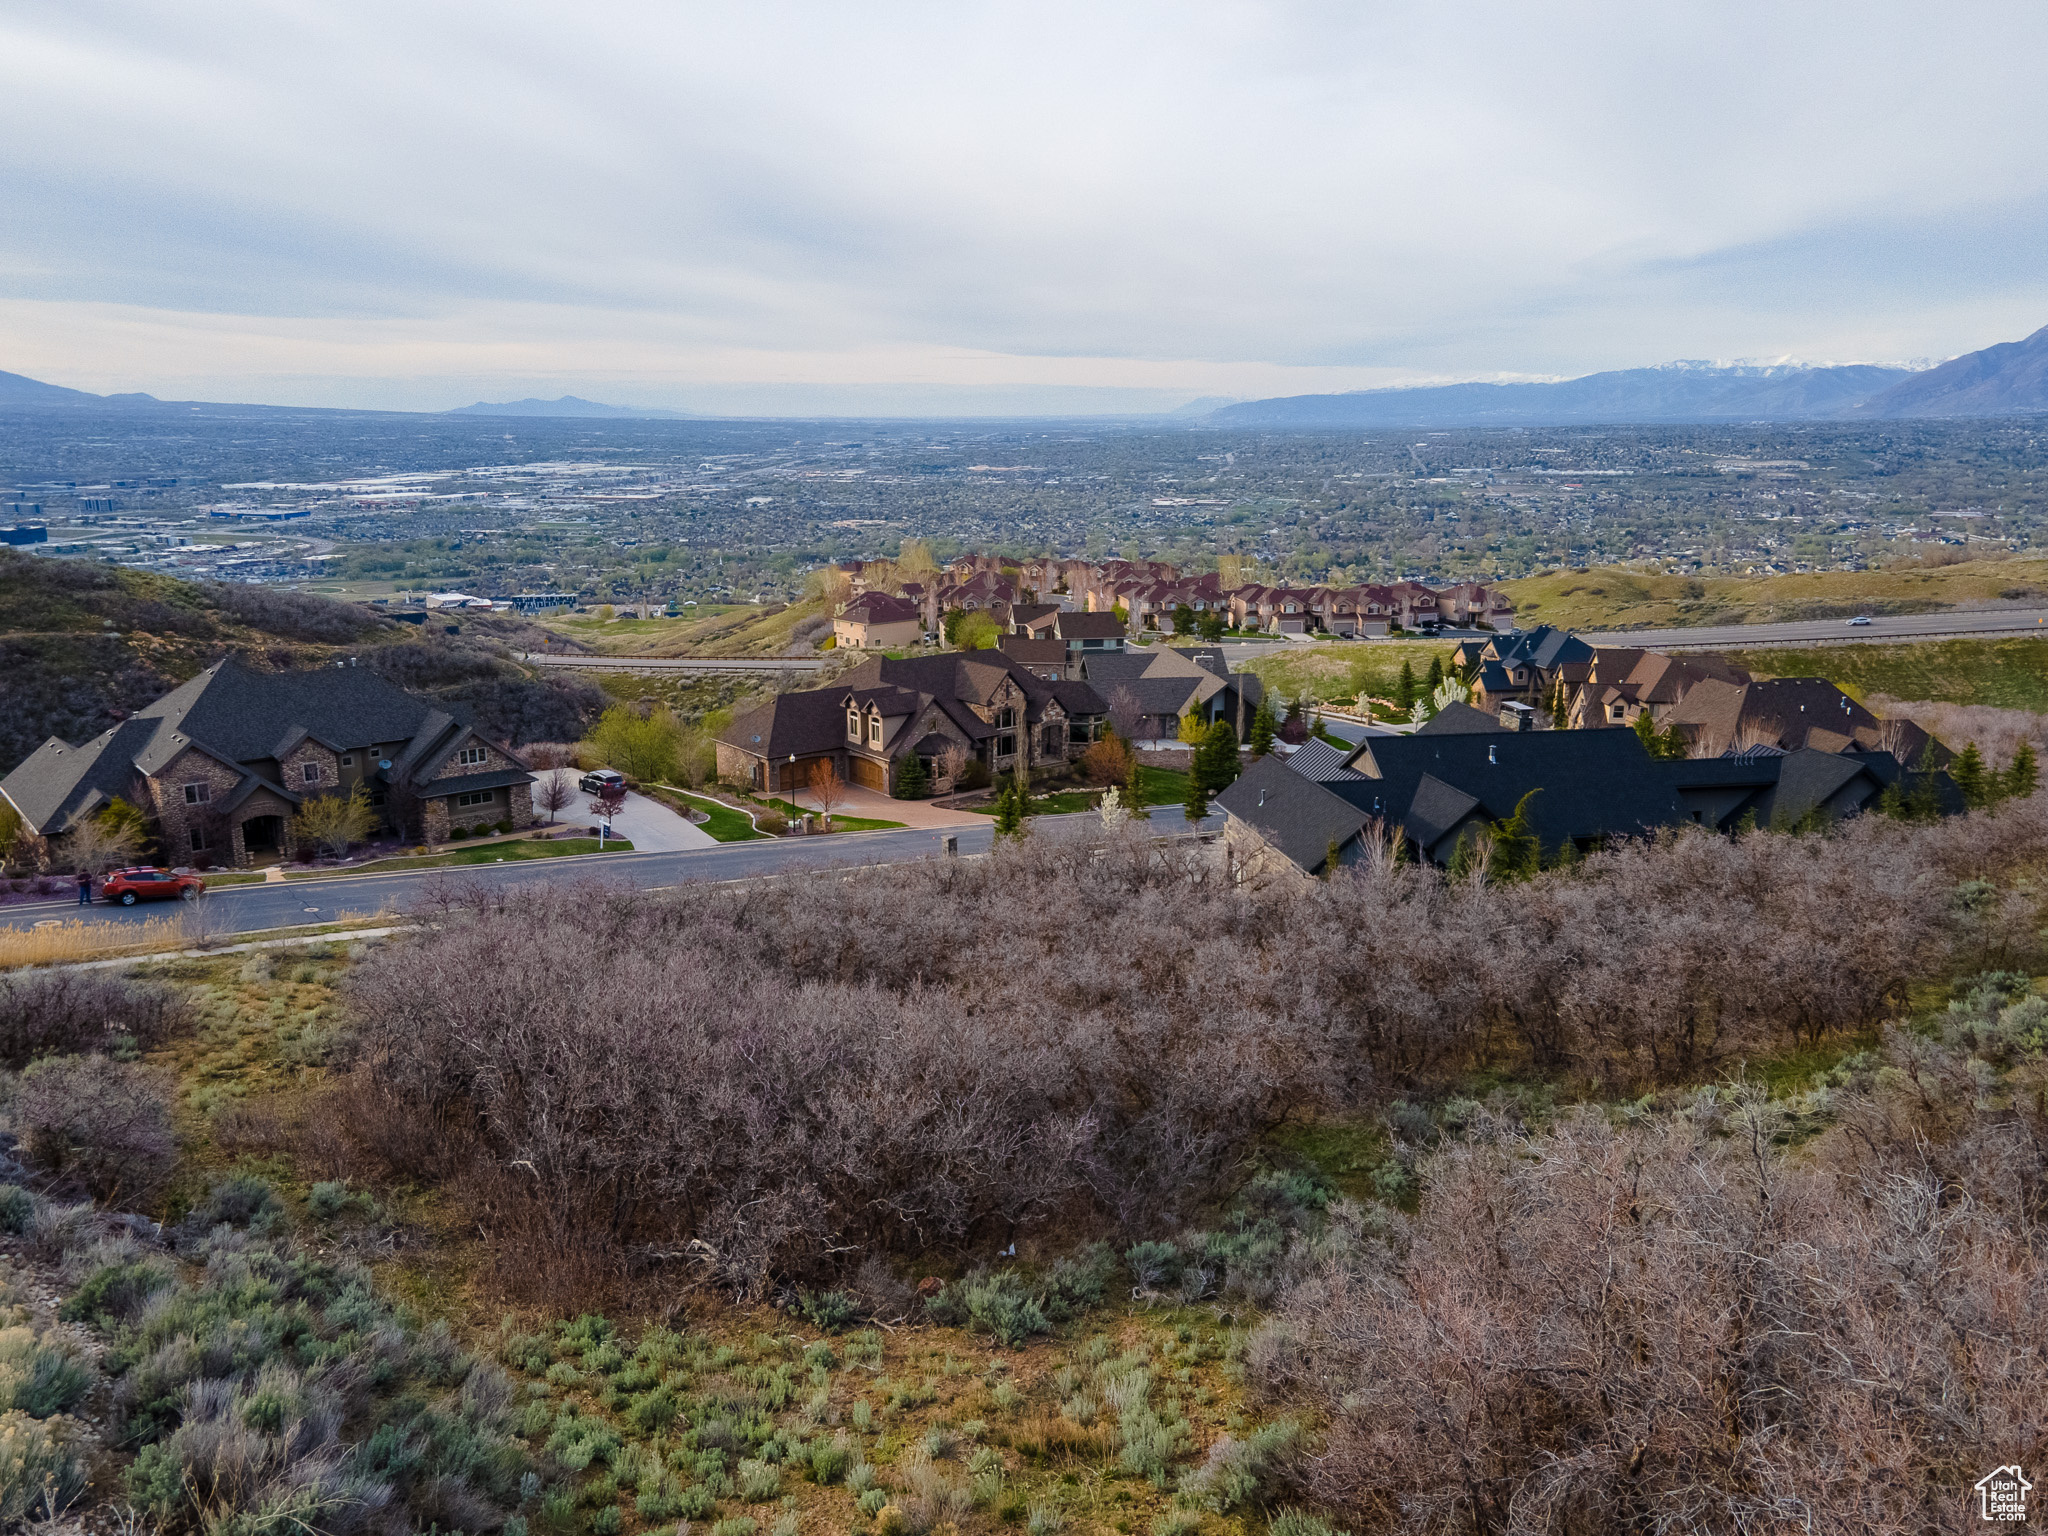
(1905,626)
(294,903)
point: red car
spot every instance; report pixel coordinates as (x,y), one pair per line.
(128,886)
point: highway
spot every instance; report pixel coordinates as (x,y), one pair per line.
(769,666)
(238,909)
(1952,624)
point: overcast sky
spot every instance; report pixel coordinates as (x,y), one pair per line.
(948,207)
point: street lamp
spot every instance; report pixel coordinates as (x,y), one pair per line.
(798,804)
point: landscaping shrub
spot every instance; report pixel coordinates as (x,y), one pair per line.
(62,1013)
(104,1126)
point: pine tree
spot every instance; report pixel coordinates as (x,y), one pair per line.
(1923,801)
(1294,729)
(912,781)
(1404,689)
(1672,743)
(2023,774)
(1560,712)
(1436,673)
(1517,854)
(1968,772)
(1646,733)
(1216,762)
(1264,726)
(1197,803)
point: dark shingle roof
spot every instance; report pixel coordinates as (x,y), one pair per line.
(1456,719)
(1298,816)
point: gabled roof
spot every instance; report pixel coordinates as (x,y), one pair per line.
(1317,759)
(879,608)
(1297,815)
(1456,719)
(1088,626)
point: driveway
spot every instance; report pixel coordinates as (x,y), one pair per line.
(879,807)
(648,825)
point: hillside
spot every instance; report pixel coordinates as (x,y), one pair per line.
(1616,597)
(82,645)
(1675,392)
(741,630)
(2008,379)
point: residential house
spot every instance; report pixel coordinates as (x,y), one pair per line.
(223,762)
(877,621)
(947,710)
(1047,658)
(1791,714)
(1153,689)
(1582,788)
(1088,634)
(1623,683)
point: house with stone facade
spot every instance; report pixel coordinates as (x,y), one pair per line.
(223,763)
(949,711)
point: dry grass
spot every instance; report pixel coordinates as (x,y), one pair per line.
(60,943)
(1603,597)
(740,631)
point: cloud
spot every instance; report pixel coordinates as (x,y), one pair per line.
(376,202)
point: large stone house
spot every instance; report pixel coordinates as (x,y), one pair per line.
(224,762)
(949,710)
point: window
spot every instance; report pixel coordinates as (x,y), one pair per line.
(874,730)
(853,725)
(198,794)
(348,759)
(470,757)
(1006,746)
(198,839)
(1006,719)
(311,773)
(477,797)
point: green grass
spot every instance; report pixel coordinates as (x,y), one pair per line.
(1160,786)
(725,824)
(490,853)
(2011,674)
(839,823)
(1337,673)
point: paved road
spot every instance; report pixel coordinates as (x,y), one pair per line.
(770,666)
(1906,626)
(253,908)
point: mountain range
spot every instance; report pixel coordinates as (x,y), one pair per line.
(2009,379)
(568,405)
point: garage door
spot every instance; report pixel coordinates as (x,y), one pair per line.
(870,774)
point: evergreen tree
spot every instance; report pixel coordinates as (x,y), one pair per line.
(1294,729)
(1212,626)
(1404,689)
(1968,771)
(1436,673)
(913,782)
(1923,801)
(1264,727)
(1672,743)
(1560,712)
(1197,803)
(1646,733)
(1892,802)
(1216,763)
(1517,854)
(2023,774)
(1009,820)
(1191,728)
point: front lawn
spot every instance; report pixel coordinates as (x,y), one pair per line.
(1158,786)
(839,823)
(723,821)
(490,853)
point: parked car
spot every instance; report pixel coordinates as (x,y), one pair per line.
(142,883)
(598,780)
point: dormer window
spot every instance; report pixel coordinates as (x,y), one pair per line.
(874,730)
(853,725)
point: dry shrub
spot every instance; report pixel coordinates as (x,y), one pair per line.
(1679,1326)
(1997,732)
(773,1080)
(51,1013)
(101,1125)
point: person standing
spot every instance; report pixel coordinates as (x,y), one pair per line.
(85,887)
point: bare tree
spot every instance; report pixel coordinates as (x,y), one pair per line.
(554,790)
(96,844)
(951,759)
(1126,712)
(827,787)
(607,801)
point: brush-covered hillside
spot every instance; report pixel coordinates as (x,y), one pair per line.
(1619,597)
(745,630)
(82,645)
